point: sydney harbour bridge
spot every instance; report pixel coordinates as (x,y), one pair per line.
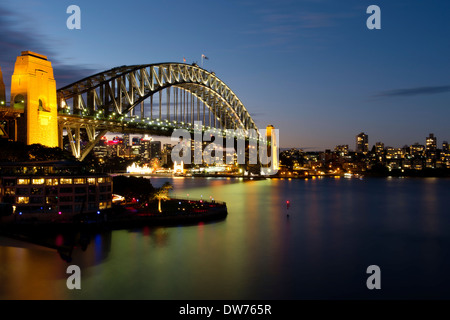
(152,98)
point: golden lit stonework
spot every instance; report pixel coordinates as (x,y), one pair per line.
(33,90)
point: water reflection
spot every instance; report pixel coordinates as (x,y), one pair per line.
(335,229)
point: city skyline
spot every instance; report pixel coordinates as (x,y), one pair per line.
(315,62)
(371,142)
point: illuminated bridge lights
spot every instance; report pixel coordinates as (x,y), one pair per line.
(113,100)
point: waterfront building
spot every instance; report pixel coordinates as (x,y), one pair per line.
(48,190)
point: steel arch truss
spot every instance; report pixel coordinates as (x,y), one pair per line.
(118,93)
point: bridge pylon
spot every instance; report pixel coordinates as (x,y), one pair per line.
(33,90)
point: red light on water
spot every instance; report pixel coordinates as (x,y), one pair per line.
(59,241)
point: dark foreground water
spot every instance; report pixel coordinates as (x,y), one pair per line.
(336,228)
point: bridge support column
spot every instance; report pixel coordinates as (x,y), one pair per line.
(33,89)
(74,142)
(93,140)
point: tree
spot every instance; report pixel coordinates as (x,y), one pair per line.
(162,194)
(133,187)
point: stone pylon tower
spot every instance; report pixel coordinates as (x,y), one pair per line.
(33,90)
(271,136)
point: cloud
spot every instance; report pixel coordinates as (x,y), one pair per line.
(17,36)
(414,91)
(278,26)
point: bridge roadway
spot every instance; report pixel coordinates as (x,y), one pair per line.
(125,100)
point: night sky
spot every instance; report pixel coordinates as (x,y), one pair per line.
(311,68)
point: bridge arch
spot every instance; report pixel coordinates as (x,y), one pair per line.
(121,90)
(126,93)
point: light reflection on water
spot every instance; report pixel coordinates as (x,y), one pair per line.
(336,228)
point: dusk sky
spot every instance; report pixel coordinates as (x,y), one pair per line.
(311,68)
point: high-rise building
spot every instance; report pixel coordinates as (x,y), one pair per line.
(155,149)
(362,143)
(431,143)
(417,149)
(126,139)
(145,147)
(379,148)
(445,155)
(136,141)
(430,151)
(166,154)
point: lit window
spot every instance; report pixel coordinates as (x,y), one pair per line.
(23,200)
(79,180)
(101,180)
(103,205)
(91,180)
(38,181)
(23,181)
(65,181)
(51,182)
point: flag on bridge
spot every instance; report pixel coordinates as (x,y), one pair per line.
(184,59)
(205,57)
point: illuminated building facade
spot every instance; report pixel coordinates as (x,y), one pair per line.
(341,150)
(431,143)
(166,158)
(379,148)
(430,151)
(362,143)
(155,149)
(53,189)
(445,155)
(417,149)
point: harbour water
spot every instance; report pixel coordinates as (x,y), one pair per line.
(318,248)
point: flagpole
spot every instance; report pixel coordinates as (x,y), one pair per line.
(202,61)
